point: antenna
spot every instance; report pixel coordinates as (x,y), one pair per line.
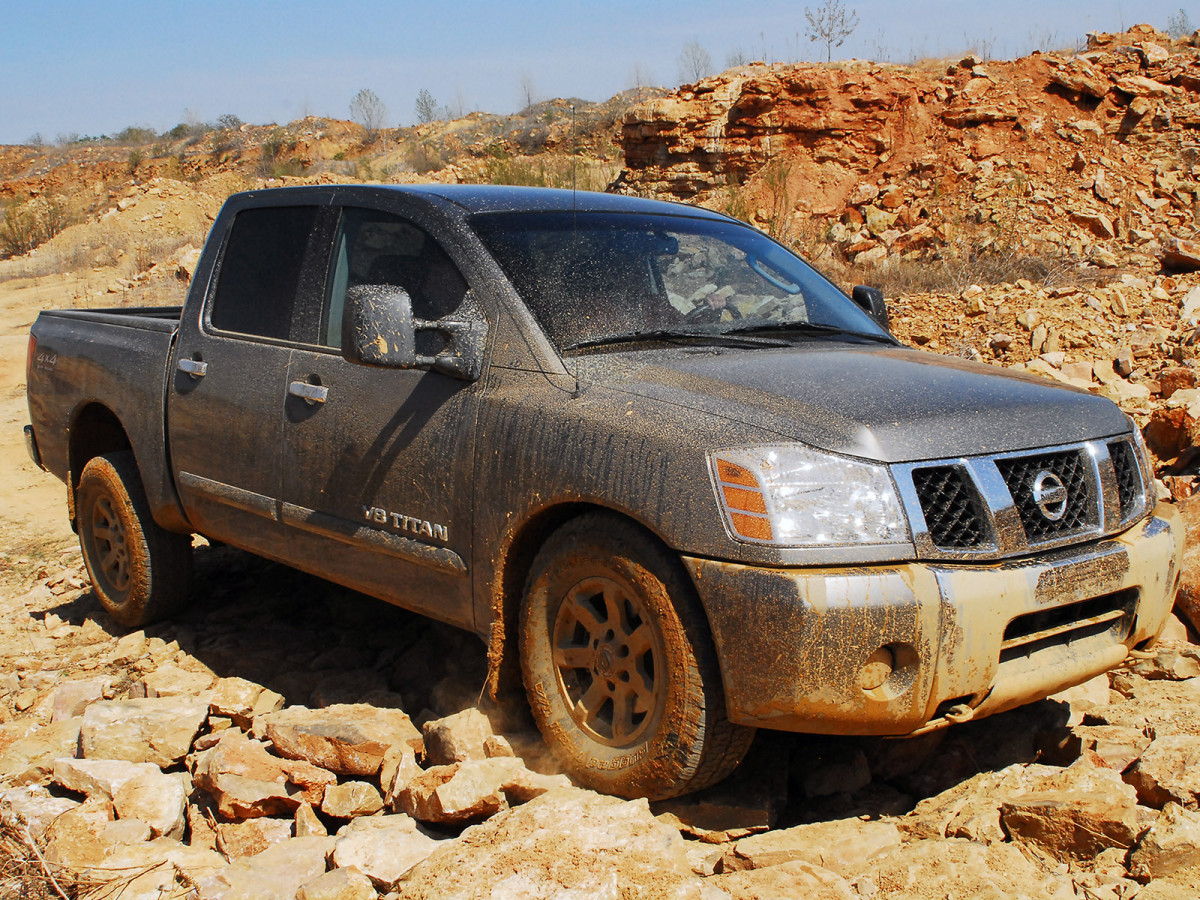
(574,156)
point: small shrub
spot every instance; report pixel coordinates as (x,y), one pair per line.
(29,224)
(424,158)
(135,135)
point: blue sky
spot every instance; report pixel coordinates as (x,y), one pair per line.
(96,67)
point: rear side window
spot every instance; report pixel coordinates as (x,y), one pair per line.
(261,271)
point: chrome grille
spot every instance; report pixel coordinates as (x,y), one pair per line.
(992,507)
(1129,479)
(1073,470)
(952,508)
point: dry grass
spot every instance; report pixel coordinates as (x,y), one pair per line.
(24,872)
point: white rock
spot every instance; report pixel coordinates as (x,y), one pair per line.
(99,777)
(158,800)
(157,730)
(382,847)
(275,874)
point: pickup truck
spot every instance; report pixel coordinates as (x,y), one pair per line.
(680,484)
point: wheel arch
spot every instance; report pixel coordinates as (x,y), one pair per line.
(504,675)
(94,431)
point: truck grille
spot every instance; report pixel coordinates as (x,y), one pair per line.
(1129,477)
(1021,473)
(1003,505)
(952,506)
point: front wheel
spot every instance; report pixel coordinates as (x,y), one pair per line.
(619,667)
(139,569)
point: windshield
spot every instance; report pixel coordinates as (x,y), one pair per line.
(588,277)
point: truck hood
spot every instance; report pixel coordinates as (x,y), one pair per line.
(882,403)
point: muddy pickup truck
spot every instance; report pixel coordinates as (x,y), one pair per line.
(681,485)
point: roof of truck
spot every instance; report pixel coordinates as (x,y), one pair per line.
(489,198)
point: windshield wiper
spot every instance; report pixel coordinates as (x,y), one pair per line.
(806,328)
(672,334)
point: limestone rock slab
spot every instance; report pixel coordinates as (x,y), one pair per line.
(158,730)
(349,739)
(275,874)
(382,847)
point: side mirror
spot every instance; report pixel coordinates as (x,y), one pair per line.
(378,329)
(870,300)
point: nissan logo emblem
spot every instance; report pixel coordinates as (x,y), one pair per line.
(1050,495)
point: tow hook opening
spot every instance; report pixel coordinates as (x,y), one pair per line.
(889,671)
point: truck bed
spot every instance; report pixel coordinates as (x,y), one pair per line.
(102,364)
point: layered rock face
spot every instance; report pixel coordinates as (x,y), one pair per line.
(1082,153)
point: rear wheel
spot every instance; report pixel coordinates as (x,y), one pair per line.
(619,667)
(139,569)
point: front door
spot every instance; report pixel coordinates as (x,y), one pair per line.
(377,463)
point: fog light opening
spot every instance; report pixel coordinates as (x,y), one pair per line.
(888,672)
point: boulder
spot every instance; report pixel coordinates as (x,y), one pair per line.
(30,759)
(1168,771)
(170,680)
(340,884)
(383,848)
(240,700)
(455,738)
(398,768)
(795,878)
(956,868)
(1116,745)
(249,838)
(306,822)
(73,840)
(150,871)
(157,730)
(841,846)
(275,874)
(349,739)
(158,800)
(98,777)
(246,781)
(71,698)
(565,843)
(34,806)
(351,799)
(472,790)
(1171,844)
(1072,825)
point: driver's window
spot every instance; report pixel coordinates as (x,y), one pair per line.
(375,247)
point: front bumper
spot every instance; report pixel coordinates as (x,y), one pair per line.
(901,649)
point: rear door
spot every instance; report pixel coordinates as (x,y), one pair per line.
(377,463)
(227,397)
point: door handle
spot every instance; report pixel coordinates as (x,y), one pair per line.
(194,367)
(309,393)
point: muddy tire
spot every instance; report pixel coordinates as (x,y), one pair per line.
(619,667)
(138,569)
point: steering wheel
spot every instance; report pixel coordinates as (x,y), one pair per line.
(761,269)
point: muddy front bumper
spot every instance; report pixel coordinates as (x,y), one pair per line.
(900,649)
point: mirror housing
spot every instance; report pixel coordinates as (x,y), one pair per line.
(870,300)
(378,329)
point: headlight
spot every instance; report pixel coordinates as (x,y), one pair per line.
(793,496)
